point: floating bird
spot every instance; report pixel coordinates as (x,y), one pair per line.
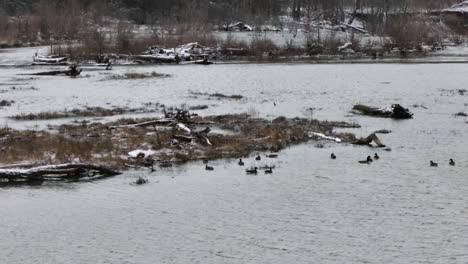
(205,161)
(252,171)
(241,163)
(452,163)
(274,103)
(376,156)
(269,171)
(258,158)
(367,161)
(433,164)
(141,181)
(272,156)
(149,163)
(208,168)
(266,167)
(333,156)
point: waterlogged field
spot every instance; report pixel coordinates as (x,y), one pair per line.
(310,210)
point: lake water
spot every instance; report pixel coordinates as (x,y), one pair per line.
(311,210)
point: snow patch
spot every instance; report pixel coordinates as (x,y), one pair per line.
(320,135)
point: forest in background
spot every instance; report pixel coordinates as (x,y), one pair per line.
(175,22)
(211,11)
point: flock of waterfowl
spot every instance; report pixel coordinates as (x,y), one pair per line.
(435,164)
(369,160)
(269,169)
(253,170)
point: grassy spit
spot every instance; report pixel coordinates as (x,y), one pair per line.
(98,144)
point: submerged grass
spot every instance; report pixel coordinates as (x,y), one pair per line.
(219,95)
(135,76)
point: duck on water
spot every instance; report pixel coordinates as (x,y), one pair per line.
(252,171)
(367,161)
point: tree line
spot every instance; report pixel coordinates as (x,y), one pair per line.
(214,11)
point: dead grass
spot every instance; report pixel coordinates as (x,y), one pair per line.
(408,33)
(87,112)
(219,95)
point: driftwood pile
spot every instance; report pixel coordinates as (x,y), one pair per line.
(183,130)
(180,121)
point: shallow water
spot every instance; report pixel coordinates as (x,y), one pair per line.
(311,210)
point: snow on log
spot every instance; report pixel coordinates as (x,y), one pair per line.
(49,59)
(395,111)
(345,46)
(355,28)
(238,26)
(320,135)
(156,58)
(56,172)
(461,8)
(184,128)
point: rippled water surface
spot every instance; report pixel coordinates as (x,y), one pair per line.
(311,210)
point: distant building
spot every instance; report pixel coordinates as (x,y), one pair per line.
(456,16)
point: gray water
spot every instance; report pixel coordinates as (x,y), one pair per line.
(311,210)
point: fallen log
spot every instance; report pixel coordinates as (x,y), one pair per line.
(51,73)
(368,140)
(51,60)
(56,172)
(203,62)
(395,111)
(360,30)
(157,58)
(72,71)
(159,122)
(182,138)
